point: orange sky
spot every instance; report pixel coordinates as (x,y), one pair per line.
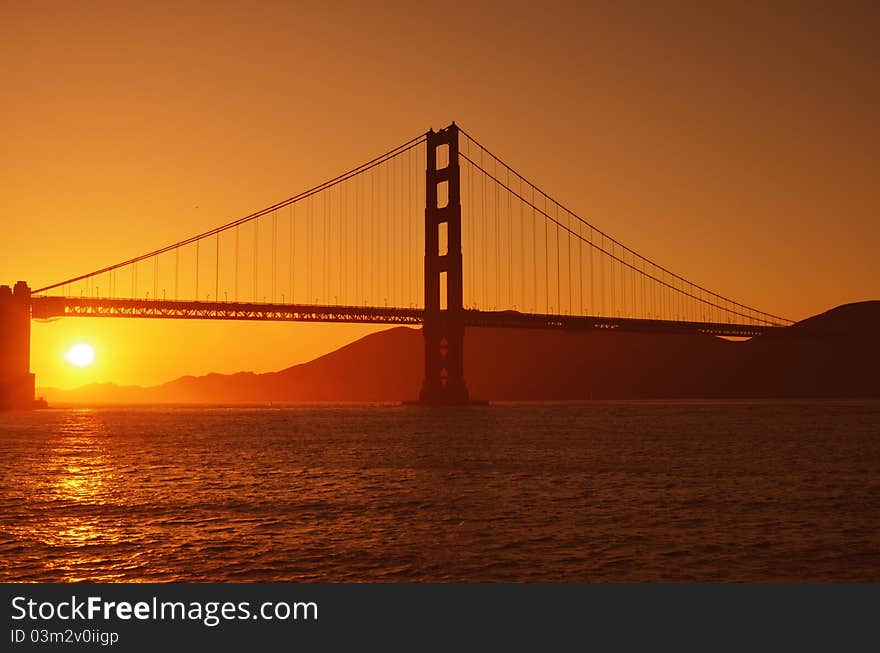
(736,146)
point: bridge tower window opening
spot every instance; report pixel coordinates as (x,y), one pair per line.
(443,239)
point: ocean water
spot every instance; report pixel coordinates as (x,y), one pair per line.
(628,491)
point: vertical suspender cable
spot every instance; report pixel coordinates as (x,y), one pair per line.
(569,262)
(291,225)
(235,290)
(197,270)
(256,257)
(592,277)
(558,266)
(522,248)
(546,258)
(274,254)
(217,270)
(536,298)
(509,247)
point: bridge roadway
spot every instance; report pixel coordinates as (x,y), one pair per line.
(47,307)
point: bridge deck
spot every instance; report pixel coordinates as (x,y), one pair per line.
(50,307)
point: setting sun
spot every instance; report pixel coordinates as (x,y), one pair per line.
(81,355)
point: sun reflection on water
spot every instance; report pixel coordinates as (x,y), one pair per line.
(76,479)
(78,468)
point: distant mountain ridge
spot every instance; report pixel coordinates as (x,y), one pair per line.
(834,354)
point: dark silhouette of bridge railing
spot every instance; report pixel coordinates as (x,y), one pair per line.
(50,307)
(438,231)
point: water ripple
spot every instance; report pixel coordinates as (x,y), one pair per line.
(635,491)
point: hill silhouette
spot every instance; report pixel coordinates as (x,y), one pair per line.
(835,354)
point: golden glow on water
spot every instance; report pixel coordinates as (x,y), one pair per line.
(630,491)
(78,484)
(78,477)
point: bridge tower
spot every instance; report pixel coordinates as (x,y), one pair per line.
(443,328)
(16,380)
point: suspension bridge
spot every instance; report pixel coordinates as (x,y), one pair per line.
(438,232)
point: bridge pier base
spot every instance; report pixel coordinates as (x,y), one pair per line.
(16,380)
